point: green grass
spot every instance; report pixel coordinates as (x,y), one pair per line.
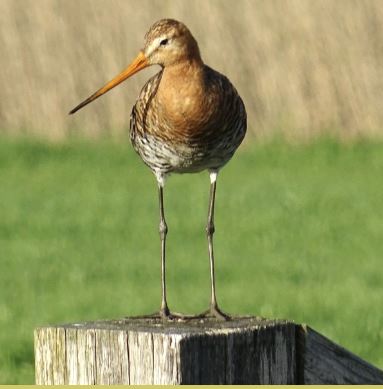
(298,235)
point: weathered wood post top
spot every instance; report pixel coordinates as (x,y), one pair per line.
(245,350)
(151,351)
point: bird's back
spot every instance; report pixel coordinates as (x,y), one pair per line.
(185,141)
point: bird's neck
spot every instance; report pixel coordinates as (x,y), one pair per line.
(184,72)
(181,91)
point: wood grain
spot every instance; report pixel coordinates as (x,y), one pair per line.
(328,363)
(246,350)
(149,351)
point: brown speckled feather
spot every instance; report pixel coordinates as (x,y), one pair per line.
(188,139)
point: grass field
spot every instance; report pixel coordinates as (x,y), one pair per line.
(299,236)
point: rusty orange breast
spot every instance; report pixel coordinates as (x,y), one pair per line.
(184,100)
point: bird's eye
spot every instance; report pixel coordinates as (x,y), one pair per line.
(164,42)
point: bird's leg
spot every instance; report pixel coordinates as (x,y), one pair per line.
(163,229)
(214,310)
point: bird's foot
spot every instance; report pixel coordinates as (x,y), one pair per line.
(166,315)
(214,312)
(175,316)
(217,313)
(165,312)
(154,315)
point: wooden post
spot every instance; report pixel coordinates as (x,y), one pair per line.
(245,350)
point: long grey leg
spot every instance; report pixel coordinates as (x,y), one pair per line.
(163,229)
(210,229)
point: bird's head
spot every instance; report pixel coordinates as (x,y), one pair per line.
(167,43)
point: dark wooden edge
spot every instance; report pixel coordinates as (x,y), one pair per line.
(321,361)
(300,346)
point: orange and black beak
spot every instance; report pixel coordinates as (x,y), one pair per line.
(139,63)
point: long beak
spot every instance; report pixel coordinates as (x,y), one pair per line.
(139,63)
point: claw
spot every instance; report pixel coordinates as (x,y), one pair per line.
(214,312)
(217,313)
(165,312)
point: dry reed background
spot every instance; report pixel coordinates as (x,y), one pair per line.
(303,67)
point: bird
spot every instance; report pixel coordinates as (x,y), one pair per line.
(188,118)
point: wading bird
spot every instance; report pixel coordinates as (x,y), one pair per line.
(188,118)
